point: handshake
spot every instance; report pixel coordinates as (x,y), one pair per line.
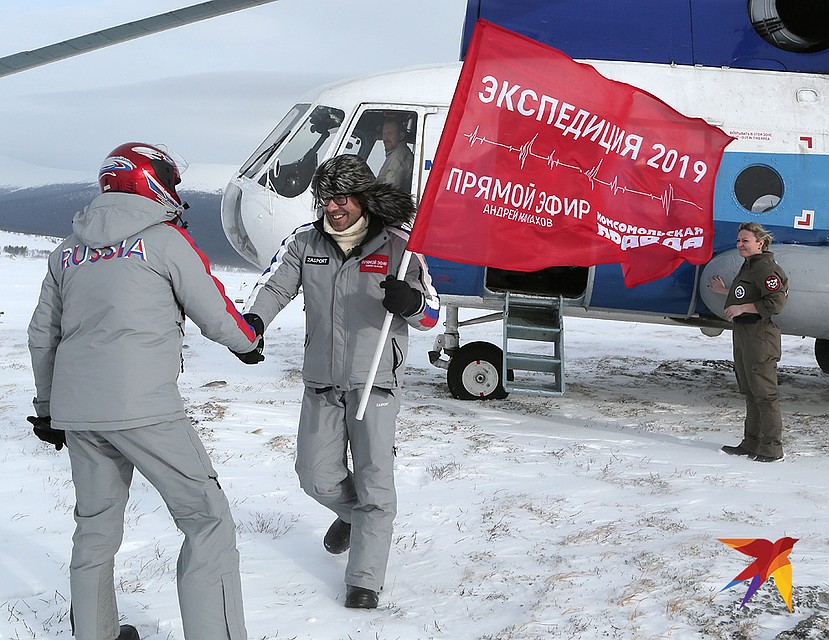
(255,355)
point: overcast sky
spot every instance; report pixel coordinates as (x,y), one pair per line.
(211,90)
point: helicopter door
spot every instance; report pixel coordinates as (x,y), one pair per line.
(434,121)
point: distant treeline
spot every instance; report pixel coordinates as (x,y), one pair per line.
(48,211)
(25,252)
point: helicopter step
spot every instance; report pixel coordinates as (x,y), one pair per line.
(533,319)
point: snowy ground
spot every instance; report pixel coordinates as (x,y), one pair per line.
(591,515)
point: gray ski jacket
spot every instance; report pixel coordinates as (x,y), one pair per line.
(106,335)
(344,309)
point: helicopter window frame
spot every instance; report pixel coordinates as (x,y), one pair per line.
(292,165)
(261,157)
(759,185)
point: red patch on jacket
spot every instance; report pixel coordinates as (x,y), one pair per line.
(375,263)
(772,283)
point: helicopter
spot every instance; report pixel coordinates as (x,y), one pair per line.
(758,70)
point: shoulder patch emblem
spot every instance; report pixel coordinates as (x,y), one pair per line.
(740,292)
(772,283)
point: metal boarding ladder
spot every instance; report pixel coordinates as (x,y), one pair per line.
(538,319)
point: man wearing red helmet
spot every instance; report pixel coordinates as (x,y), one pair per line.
(106,346)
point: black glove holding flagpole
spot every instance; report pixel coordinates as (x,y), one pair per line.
(381,341)
(400,298)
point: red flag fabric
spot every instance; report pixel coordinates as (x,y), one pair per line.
(544,162)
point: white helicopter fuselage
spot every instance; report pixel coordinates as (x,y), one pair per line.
(758,70)
(257,215)
(777,120)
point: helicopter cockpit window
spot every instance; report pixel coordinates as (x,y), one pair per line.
(385,139)
(758,188)
(265,150)
(294,165)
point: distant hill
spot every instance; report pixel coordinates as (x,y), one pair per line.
(48,210)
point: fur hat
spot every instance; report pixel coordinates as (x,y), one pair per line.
(348,174)
(345,174)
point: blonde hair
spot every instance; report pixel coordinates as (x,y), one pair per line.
(759,231)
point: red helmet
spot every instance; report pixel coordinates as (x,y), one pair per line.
(143,169)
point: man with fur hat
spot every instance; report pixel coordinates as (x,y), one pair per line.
(346,263)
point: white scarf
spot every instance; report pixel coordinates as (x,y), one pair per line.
(351,237)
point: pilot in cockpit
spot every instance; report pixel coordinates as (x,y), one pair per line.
(397,167)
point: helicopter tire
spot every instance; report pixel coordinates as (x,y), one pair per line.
(475,372)
(822,354)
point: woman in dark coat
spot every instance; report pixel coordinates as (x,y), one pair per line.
(758,292)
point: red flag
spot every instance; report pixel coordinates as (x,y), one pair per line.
(544,162)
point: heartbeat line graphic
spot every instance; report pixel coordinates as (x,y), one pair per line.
(525,152)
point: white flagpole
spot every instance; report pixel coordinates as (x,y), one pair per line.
(381,342)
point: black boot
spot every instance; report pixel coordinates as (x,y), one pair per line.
(128,632)
(338,538)
(739,450)
(360,598)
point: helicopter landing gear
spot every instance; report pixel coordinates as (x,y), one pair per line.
(474,372)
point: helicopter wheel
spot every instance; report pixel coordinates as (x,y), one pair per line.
(822,354)
(475,372)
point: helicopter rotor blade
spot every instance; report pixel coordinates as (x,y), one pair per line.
(24,60)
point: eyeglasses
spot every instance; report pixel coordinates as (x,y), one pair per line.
(339,200)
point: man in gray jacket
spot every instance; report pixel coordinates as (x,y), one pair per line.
(106,346)
(346,263)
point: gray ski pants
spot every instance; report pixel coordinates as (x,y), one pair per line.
(171,456)
(365,497)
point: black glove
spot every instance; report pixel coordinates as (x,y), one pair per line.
(256,322)
(43,430)
(400,297)
(255,355)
